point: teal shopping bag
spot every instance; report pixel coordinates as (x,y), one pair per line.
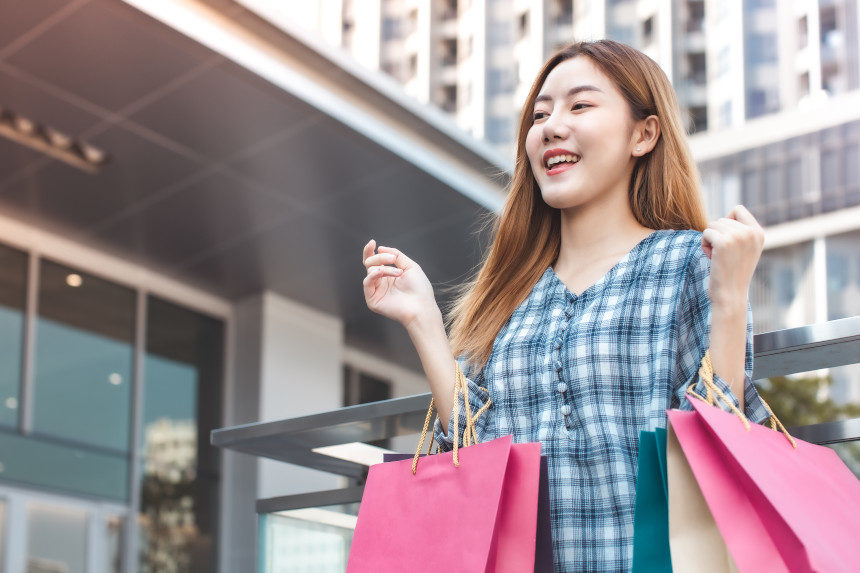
(651,517)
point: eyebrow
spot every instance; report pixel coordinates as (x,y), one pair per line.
(572,92)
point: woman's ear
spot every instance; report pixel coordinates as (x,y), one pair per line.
(645,135)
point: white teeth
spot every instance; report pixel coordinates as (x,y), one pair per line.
(555,160)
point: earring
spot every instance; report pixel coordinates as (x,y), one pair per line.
(638,149)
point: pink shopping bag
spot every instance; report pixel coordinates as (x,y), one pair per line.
(480,516)
(777,507)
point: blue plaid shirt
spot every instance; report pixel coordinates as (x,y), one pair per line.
(584,373)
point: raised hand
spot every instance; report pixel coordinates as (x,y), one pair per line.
(401,292)
(734,244)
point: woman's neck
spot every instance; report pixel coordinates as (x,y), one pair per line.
(596,233)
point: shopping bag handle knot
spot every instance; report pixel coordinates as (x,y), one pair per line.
(706,374)
(470,436)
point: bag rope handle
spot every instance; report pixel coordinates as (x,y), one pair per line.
(706,373)
(470,436)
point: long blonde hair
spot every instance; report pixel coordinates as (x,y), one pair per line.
(664,193)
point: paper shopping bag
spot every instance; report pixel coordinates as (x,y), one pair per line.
(651,515)
(777,506)
(478,516)
(695,540)
(543,542)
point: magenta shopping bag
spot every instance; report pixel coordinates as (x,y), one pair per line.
(778,508)
(543,543)
(480,516)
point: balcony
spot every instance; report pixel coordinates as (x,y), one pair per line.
(335,441)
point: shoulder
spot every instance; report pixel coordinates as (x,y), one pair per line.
(671,253)
(677,244)
(695,267)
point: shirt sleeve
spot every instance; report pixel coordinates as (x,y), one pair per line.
(477,399)
(694,330)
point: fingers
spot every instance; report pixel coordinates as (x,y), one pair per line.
(734,229)
(379,259)
(374,274)
(385,256)
(378,271)
(368,249)
(711,238)
(400,259)
(742,214)
(382,271)
(727,225)
(706,246)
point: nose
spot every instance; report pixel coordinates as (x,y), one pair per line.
(554,128)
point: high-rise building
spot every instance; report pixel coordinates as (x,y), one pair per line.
(476,59)
(764,86)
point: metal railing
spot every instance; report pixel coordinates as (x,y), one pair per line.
(826,345)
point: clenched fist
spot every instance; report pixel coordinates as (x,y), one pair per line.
(734,244)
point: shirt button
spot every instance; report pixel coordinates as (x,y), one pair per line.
(565,410)
(558,366)
(562,387)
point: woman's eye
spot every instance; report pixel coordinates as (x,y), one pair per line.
(580,105)
(538,115)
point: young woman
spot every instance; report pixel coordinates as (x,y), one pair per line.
(602,290)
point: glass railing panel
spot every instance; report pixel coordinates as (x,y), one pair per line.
(815,397)
(311,539)
(849,452)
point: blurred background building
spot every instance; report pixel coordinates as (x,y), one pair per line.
(768,89)
(185,187)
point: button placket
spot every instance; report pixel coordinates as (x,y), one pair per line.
(558,342)
(561,386)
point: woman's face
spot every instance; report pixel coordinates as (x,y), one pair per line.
(580,116)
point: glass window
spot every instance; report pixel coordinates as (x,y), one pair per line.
(773,184)
(843,281)
(725,114)
(795,183)
(781,293)
(648,31)
(84,356)
(831,170)
(56,539)
(761,48)
(183,373)
(757,102)
(837,272)
(500,80)
(752,195)
(523,25)
(58,466)
(802,34)
(500,32)
(851,154)
(13,289)
(786,284)
(499,130)
(723,57)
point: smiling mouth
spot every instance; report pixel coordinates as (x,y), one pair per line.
(560,163)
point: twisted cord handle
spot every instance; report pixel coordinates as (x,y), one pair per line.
(706,373)
(470,436)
